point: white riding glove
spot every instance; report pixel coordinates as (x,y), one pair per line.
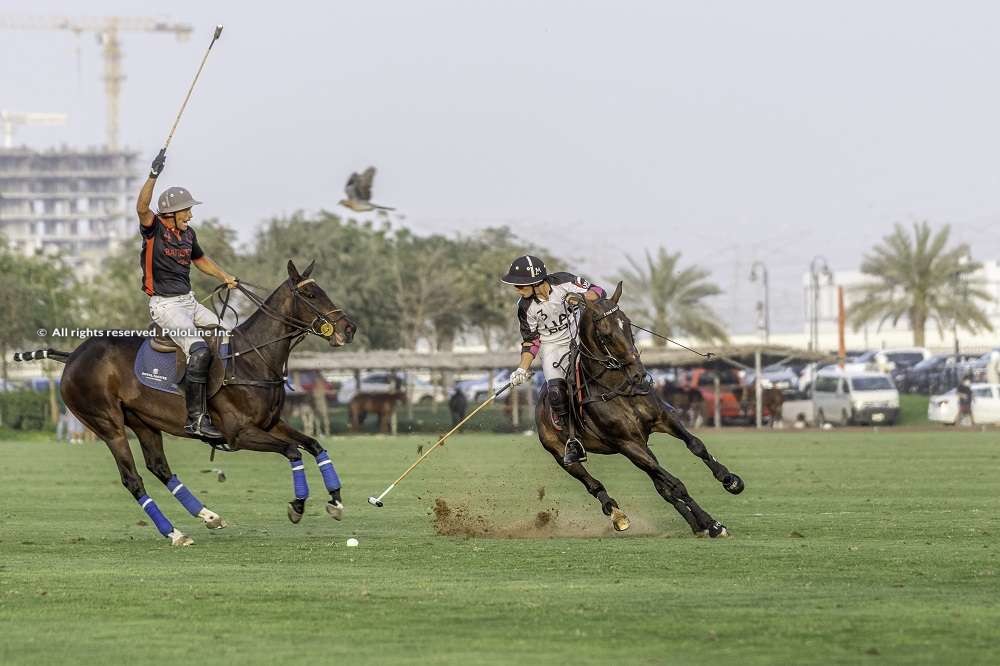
(518,377)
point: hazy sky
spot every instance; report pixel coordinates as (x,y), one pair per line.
(729,131)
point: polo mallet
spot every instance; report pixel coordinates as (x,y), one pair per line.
(218,33)
(377,501)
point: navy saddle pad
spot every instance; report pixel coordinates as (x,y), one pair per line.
(158,370)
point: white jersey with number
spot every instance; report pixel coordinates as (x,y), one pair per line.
(545,325)
(544,322)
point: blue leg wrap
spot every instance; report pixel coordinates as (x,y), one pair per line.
(154,513)
(329,472)
(184,496)
(299,479)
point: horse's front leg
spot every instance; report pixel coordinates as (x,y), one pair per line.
(609,506)
(255,439)
(672,425)
(330,477)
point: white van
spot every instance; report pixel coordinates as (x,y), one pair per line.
(852,398)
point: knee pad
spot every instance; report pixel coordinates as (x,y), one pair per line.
(558,392)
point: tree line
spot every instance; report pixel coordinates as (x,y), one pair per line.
(410,291)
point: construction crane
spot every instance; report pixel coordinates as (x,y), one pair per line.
(106,29)
(10,118)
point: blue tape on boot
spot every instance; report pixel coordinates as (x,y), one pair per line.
(154,513)
(184,496)
(329,472)
(299,479)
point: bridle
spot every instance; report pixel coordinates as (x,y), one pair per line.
(628,387)
(321,326)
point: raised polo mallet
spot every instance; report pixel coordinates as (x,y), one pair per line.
(377,501)
(218,33)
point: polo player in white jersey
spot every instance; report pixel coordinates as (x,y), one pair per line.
(544,312)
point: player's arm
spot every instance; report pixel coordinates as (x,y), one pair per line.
(205,264)
(146,215)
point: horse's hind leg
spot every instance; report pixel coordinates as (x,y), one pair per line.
(330,477)
(151,442)
(674,491)
(671,424)
(107,422)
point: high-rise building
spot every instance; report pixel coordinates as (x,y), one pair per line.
(76,202)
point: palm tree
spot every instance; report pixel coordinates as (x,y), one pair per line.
(919,279)
(672,299)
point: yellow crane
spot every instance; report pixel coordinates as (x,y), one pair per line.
(106,29)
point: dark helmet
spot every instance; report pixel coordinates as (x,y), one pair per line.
(174,199)
(524,271)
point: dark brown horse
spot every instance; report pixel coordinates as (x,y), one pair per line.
(616,411)
(100,387)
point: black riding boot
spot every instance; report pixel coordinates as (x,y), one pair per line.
(196,389)
(559,401)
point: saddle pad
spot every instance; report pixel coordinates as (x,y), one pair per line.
(158,370)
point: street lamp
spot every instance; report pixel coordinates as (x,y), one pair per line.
(958,281)
(817,267)
(765,321)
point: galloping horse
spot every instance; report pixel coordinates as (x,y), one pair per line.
(615,410)
(101,388)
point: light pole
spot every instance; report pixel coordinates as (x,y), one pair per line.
(817,267)
(959,282)
(765,322)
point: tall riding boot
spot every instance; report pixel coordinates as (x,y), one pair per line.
(198,421)
(559,401)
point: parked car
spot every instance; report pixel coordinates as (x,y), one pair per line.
(780,377)
(853,398)
(933,375)
(943,408)
(423,392)
(888,360)
(976,368)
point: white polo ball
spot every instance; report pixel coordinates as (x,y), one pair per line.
(352,542)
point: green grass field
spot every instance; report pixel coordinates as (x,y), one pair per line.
(848,547)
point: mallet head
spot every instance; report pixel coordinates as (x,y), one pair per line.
(218,31)
(374,501)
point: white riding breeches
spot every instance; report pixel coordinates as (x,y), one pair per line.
(178,315)
(555,359)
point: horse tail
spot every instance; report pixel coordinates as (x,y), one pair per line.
(41,354)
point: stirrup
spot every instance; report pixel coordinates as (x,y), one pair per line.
(195,428)
(575,453)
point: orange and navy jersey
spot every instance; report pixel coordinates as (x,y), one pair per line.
(166,258)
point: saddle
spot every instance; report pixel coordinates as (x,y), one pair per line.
(160,342)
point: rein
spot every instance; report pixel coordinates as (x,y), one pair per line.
(300,329)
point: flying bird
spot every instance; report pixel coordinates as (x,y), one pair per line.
(359,192)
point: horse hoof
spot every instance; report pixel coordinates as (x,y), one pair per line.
(718,531)
(619,520)
(213,521)
(336,510)
(178,538)
(293,515)
(733,484)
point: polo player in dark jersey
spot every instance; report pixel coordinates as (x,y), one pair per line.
(169,247)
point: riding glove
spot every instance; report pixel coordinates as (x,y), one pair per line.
(157,166)
(518,377)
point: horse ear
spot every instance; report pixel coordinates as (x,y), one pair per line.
(293,272)
(618,293)
(309,269)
